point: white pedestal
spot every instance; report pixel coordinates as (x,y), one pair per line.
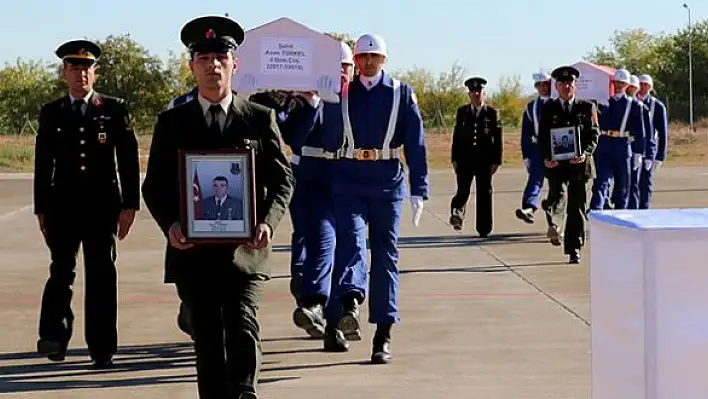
(649,304)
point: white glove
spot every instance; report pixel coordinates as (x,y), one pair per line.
(657,165)
(636,161)
(527,162)
(417,205)
(647,164)
(326,90)
(246,85)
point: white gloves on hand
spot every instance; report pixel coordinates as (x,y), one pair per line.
(657,165)
(636,161)
(417,205)
(246,85)
(648,164)
(326,89)
(527,162)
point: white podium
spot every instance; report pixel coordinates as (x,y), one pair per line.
(649,304)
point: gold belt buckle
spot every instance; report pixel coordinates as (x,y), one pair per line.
(366,155)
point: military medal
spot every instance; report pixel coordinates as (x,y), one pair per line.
(102,138)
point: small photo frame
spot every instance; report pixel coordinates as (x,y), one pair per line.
(565,143)
(218,196)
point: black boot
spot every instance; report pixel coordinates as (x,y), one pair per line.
(311,319)
(381,352)
(349,324)
(334,340)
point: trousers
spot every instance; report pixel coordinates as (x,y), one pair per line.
(95,231)
(382,216)
(482,176)
(567,200)
(534,183)
(224,305)
(298,220)
(612,164)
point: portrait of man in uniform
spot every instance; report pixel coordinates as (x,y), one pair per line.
(563,143)
(222,205)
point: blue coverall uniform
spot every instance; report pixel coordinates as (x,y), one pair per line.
(660,124)
(648,157)
(369,187)
(622,136)
(530,151)
(305,133)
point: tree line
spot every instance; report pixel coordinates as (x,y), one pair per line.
(128,70)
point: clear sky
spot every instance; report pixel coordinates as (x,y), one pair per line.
(489,38)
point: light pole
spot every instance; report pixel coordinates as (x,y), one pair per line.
(690,66)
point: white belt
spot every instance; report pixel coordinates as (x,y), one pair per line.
(295,159)
(315,152)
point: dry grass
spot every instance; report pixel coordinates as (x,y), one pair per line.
(686,148)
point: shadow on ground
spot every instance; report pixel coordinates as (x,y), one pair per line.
(76,373)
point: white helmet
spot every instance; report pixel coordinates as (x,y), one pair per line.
(646,79)
(370,43)
(347,56)
(541,77)
(622,75)
(634,81)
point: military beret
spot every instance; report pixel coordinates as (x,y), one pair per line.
(476,83)
(79,52)
(212,34)
(565,74)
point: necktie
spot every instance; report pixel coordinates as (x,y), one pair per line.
(78,106)
(215,110)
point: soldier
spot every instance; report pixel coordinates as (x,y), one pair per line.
(621,145)
(80,200)
(649,147)
(297,254)
(657,114)
(568,176)
(378,115)
(304,131)
(530,151)
(476,155)
(221,284)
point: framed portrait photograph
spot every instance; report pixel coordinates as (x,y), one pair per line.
(218,196)
(565,143)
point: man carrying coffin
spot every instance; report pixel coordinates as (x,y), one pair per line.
(621,145)
(568,175)
(304,131)
(530,151)
(222,284)
(660,126)
(378,115)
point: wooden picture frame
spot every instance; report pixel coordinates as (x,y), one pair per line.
(207,215)
(565,143)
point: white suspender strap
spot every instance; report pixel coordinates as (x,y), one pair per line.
(535,117)
(623,126)
(320,111)
(393,118)
(347,149)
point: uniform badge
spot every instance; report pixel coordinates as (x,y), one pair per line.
(102,138)
(235,168)
(210,34)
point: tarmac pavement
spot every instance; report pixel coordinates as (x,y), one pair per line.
(504,317)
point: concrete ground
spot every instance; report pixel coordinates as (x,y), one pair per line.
(504,317)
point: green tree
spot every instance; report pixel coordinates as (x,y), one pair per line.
(24,87)
(128,70)
(510,101)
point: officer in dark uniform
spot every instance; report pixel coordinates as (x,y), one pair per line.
(221,284)
(476,155)
(568,176)
(80,199)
